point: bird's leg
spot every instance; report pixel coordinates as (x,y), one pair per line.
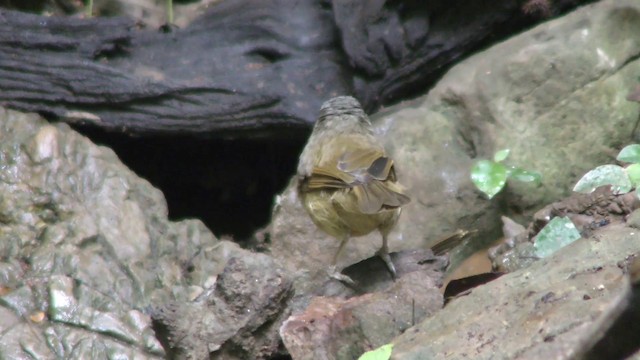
(384,255)
(169,11)
(333,271)
(343,242)
(89,9)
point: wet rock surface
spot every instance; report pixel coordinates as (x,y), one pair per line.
(551,309)
(336,328)
(88,254)
(239,319)
(588,212)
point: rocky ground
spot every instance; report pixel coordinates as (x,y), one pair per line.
(91,267)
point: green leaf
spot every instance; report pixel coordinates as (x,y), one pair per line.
(381,353)
(630,153)
(558,233)
(489,177)
(524,175)
(613,175)
(633,171)
(501,155)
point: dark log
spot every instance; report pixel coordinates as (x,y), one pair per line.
(246,68)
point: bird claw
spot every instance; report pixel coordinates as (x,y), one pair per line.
(337,275)
(384,255)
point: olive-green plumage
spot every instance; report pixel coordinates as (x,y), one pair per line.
(348,184)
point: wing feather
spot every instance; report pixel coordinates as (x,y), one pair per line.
(369,173)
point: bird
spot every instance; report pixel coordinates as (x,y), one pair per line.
(347,182)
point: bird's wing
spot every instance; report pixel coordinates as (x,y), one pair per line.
(325,178)
(360,159)
(376,195)
(371,175)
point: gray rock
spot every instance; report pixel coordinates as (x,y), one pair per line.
(77,233)
(552,309)
(87,252)
(335,328)
(555,95)
(587,212)
(239,320)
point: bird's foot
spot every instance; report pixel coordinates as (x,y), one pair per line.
(337,275)
(384,255)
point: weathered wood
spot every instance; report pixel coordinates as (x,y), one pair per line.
(246,68)
(241,68)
